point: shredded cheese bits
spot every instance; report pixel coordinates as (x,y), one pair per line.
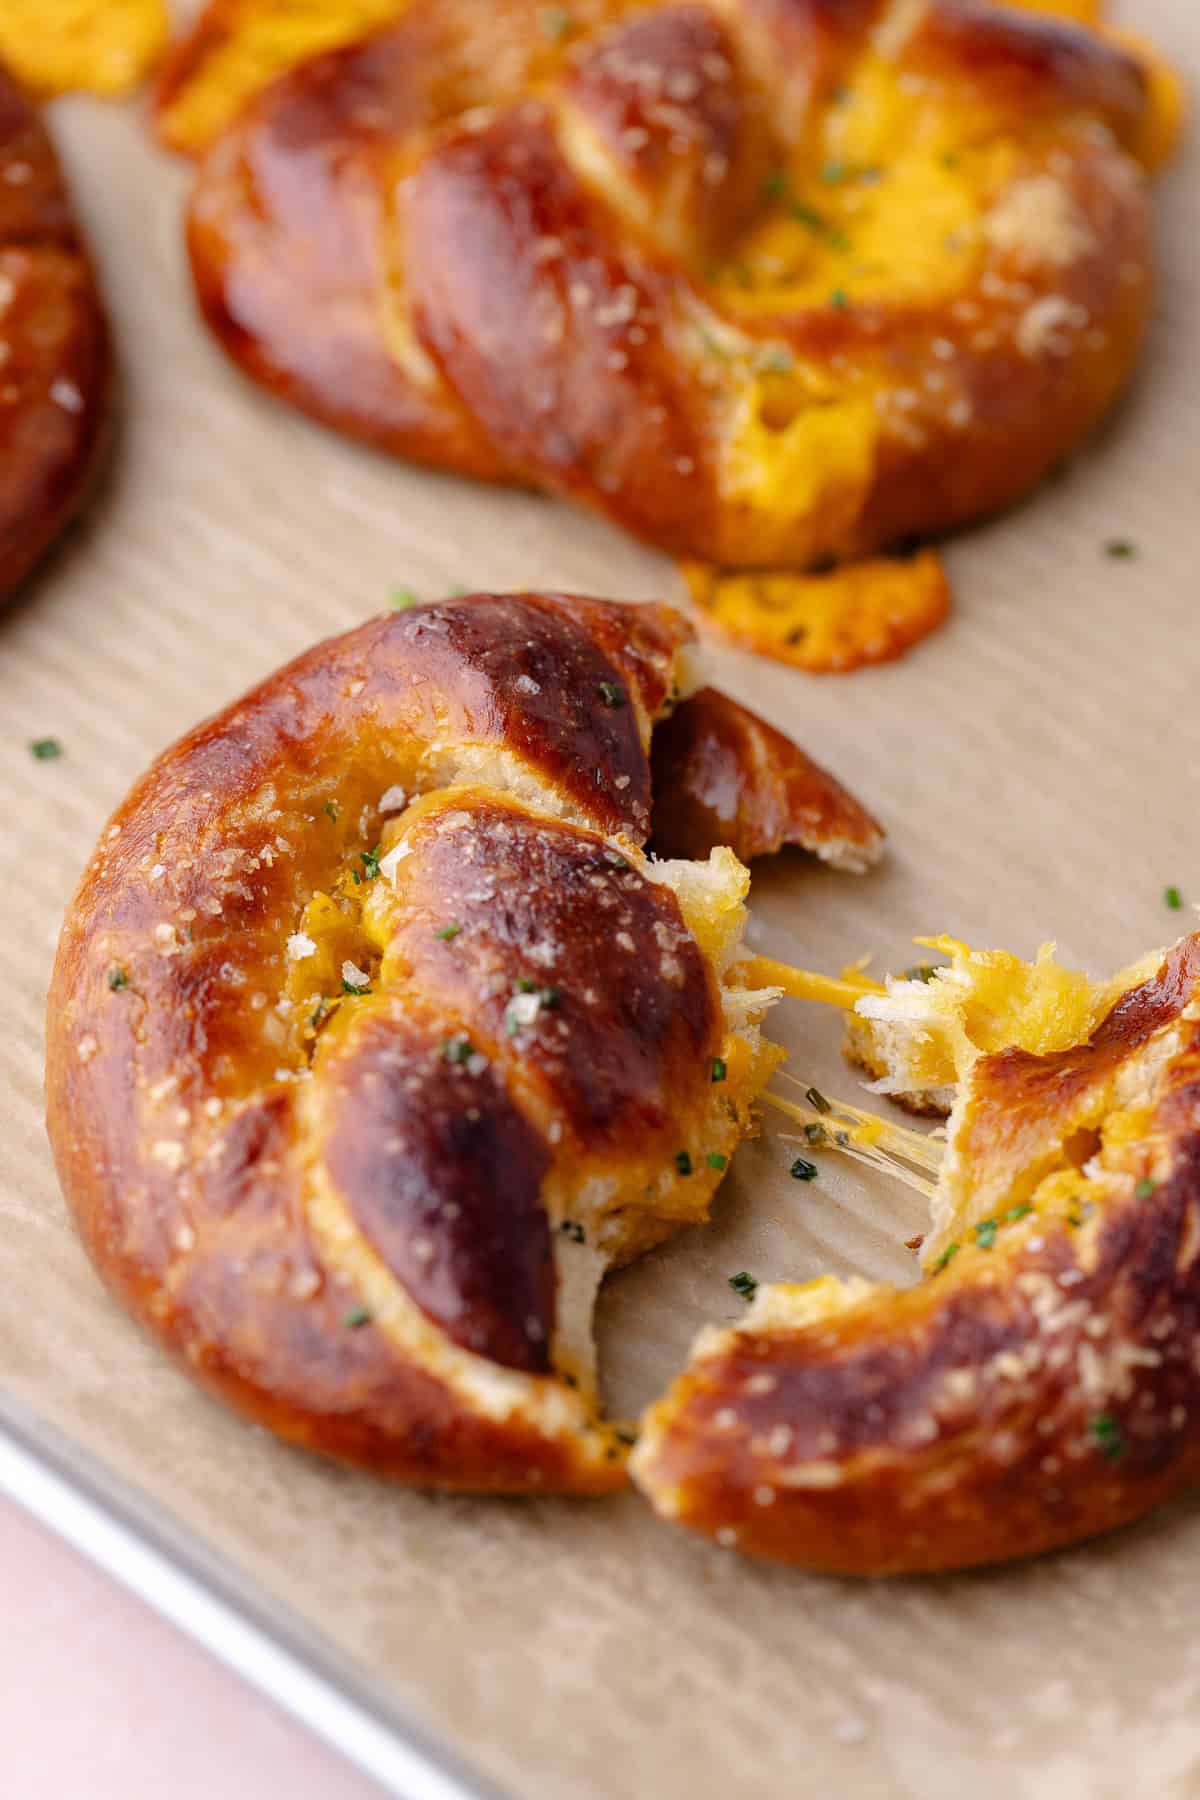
(100,46)
(864,612)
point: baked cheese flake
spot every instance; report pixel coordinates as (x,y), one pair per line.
(99,46)
(826,623)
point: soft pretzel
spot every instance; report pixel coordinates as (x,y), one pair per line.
(374,1037)
(1042,1383)
(766,281)
(54,350)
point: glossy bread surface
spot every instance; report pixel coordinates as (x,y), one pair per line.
(770,282)
(54,351)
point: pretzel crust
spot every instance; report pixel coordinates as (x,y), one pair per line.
(55,370)
(348,1126)
(767,282)
(1039,1389)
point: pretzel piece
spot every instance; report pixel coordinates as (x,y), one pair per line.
(770,283)
(54,350)
(1041,1384)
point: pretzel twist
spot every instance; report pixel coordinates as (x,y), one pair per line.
(374,1038)
(766,281)
(54,350)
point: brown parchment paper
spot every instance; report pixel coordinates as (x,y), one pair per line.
(1038,764)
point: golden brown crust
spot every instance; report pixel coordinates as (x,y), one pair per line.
(338,1195)
(54,351)
(722,775)
(517,255)
(1040,1389)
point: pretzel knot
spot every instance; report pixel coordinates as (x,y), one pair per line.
(766,281)
(54,349)
(375,1037)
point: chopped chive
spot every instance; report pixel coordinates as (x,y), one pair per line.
(803,1170)
(1143,1190)
(370,863)
(625,1437)
(985,1233)
(920,972)
(1106,1435)
(457,1049)
(117,979)
(550,998)
(356,1318)
(319,1014)
(611,694)
(1019,1212)
(683,1162)
(815,1133)
(45,749)
(348,987)
(447,932)
(839,299)
(744,1283)
(776,185)
(817,1100)
(571,1228)
(720,1068)
(525,985)
(402,598)
(1172,898)
(717,1161)
(1120,549)
(833,172)
(948,1255)
(331,808)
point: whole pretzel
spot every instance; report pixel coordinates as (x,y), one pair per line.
(763,280)
(374,1038)
(54,349)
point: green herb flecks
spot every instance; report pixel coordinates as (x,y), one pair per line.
(1120,549)
(45,749)
(370,865)
(448,931)
(1106,1435)
(611,694)
(117,979)
(947,1256)
(1143,1190)
(720,1069)
(744,1283)
(356,1318)
(1172,899)
(985,1233)
(572,1229)
(332,810)
(555,22)
(351,987)
(683,1162)
(402,598)
(803,1170)
(817,1100)
(457,1049)
(716,1160)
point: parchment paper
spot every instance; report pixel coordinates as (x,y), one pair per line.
(1037,764)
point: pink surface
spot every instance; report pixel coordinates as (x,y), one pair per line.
(100,1697)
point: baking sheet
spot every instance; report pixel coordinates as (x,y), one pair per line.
(1037,763)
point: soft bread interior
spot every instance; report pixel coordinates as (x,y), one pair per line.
(925,1038)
